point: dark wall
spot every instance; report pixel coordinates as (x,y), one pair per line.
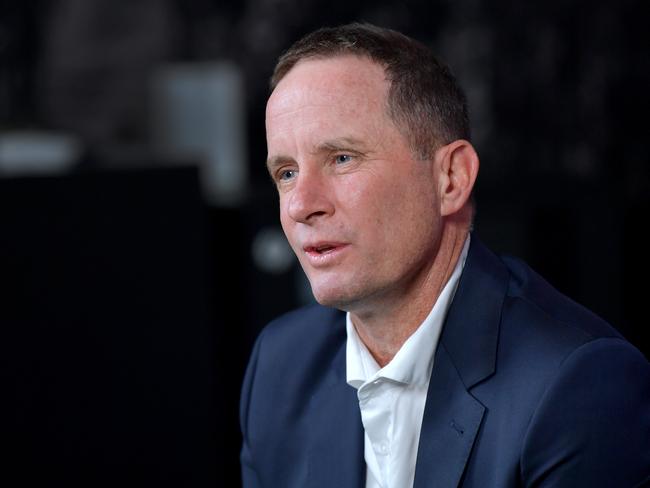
(110,365)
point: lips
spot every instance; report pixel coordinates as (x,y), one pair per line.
(320,248)
(324,252)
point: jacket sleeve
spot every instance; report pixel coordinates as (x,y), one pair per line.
(250,476)
(592,427)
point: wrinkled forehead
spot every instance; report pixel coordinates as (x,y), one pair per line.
(349,82)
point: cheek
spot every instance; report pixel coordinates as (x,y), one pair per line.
(369,213)
(405,217)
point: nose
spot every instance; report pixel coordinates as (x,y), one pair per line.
(309,200)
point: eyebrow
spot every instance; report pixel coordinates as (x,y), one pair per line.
(276,161)
(340,143)
(337,144)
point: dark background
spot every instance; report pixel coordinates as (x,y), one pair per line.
(129,302)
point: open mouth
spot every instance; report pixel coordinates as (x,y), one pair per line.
(321,249)
(325,254)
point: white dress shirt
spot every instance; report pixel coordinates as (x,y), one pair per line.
(392,398)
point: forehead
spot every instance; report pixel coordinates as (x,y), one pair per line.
(349,84)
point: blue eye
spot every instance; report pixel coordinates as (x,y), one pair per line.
(287,174)
(343,158)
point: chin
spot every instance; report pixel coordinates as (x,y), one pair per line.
(328,299)
(340,296)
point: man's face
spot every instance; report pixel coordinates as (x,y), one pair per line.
(359,212)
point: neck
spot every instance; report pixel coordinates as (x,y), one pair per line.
(385,327)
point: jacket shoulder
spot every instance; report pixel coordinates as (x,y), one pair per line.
(531,296)
(295,356)
(304,333)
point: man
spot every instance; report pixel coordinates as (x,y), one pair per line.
(430,361)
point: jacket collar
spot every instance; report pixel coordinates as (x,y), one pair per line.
(471,329)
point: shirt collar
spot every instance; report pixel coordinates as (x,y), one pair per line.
(413,362)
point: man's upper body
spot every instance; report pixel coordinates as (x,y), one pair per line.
(368,142)
(527,389)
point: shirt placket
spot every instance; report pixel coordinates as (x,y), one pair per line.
(375,400)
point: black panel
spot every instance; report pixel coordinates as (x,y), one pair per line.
(105,335)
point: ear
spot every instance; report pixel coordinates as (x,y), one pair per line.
(458,166)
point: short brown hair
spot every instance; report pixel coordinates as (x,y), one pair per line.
(425,101)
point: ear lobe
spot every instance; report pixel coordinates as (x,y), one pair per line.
(458,171)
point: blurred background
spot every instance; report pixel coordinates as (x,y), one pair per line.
(140,249)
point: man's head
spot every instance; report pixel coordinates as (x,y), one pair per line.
(363,210)
(424,99)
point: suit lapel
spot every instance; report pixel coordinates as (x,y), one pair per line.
(451,421)
(336,435)
(465,356)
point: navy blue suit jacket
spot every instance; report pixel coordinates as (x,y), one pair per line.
(527,389)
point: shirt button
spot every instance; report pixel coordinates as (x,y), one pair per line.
(383,448)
